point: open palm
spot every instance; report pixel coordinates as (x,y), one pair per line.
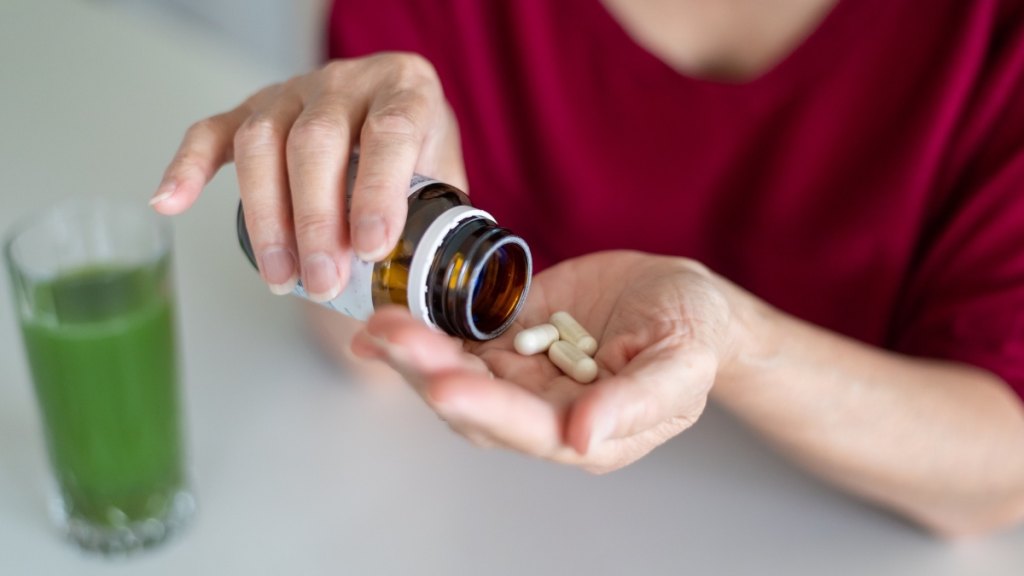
(658,322)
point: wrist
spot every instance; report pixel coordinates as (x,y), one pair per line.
(752,341)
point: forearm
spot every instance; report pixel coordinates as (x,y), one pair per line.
(942,443)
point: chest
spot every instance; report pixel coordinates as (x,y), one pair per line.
(812,179)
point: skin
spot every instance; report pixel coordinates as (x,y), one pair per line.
(656,365)
(290,143)
(724,39)
(938,442)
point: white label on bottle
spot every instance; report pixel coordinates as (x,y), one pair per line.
(356,300)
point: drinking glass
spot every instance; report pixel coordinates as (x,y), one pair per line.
(93,291)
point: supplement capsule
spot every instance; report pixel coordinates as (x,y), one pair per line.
(571,331)
(573,362)
(535,340)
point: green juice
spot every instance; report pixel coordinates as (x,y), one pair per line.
(101,346)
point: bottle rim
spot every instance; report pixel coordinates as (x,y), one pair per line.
(423,258)
(422,267)
(466,301)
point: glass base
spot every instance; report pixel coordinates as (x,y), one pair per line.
(130,537)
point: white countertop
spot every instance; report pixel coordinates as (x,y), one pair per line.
(303,470)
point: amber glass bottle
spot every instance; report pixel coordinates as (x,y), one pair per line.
(453,267)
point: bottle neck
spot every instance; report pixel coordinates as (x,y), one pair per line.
(478,281)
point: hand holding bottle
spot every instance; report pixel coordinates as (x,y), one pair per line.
(291,143)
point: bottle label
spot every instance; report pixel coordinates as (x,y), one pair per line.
(356,300)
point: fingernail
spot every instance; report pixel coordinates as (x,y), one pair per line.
(394,353)
(320,277)
(601,431)
(369,237)
(278,267)
(165,191)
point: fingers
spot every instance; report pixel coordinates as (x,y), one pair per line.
(501,411)
(394,336)
(662,385)
(206,147)
(459,387)
(658,394)
(441,155)
(388,149)
(259,152)
(292,144)
(393,134)
(317,149)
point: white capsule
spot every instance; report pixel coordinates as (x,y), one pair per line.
(571,331)
(573,362)
(535,340)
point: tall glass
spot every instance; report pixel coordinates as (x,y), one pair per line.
(93,292)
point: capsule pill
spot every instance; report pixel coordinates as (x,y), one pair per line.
(571,331)
(535,340)
(573,362)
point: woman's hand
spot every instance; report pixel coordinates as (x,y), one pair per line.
(291,145)
(664,332)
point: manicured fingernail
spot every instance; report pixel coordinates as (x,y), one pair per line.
(601,431)
(278,267)
(369,237)
(320,277)
(165,191)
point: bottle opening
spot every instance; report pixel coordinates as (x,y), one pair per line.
(498,288)
(480,279)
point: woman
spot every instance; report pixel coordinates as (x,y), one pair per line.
(857,166)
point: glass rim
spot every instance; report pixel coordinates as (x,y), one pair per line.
(37,217)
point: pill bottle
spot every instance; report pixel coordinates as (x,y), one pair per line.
(453,266)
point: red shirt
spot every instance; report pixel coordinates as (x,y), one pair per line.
(872,182)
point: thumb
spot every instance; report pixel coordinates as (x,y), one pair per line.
(658,385)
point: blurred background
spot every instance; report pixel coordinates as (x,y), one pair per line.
(284,35)
(300,467)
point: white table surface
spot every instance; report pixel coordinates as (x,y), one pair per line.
(303,470)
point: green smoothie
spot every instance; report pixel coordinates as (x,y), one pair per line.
(101,347)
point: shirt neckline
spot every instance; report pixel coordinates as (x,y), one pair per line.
(810,52)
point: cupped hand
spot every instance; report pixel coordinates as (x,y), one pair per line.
(291,144)
(663,327)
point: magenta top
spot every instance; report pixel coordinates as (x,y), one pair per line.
(872,182)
